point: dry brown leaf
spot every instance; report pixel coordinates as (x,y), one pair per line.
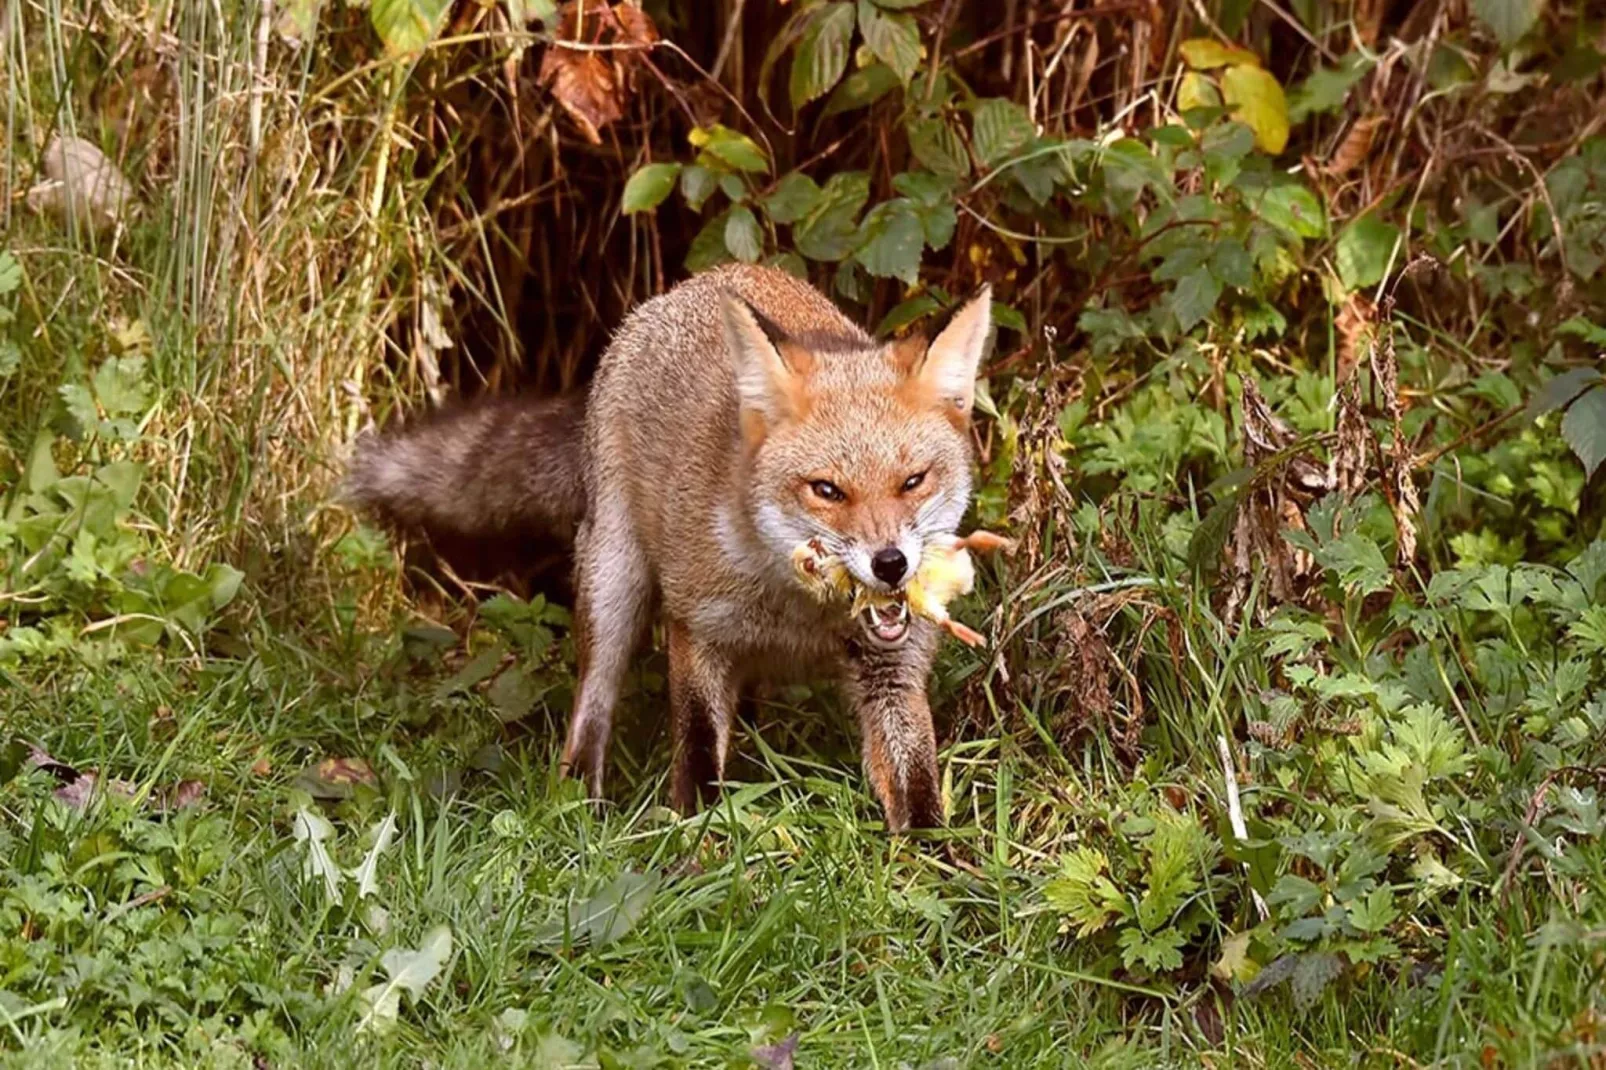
(1400,488)
(1347,468)
(589,67)
(1353,151)
(1355,325)
(336,778)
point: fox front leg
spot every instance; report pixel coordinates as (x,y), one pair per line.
(702,705)
(887,688)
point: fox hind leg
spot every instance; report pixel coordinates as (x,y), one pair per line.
(612,598)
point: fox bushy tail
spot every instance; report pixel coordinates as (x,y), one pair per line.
(508,467)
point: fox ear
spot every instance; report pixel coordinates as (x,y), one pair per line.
(948,371)
(769,386)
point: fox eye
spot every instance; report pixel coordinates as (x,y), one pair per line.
(912,482)
(827,490)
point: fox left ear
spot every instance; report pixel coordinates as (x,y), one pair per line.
(770,373)
(951,361)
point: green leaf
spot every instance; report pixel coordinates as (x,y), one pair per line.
(731,148)
(1197,91)
(937,146)
(830,232)
(708,248)
(1194,297)
(1229,262)
(1292,208)
(697,184)
(1156,952)
(613,911)
(524,12)
(407,25)
(10,273)
(862,88)
(795,196)
(80,404)
(926,190)
(42,472)
(1000,129)
(1084,894)
(1358,563)
(649,186)
(743,237)
(1509,19)
(1364,250)
(893,39)
(120,386)
(906,312)
(891,241)
(1560,390)
(1327,88)
(822,54)
(1584,428)
(1261,104)
(733,187)
(1206,53)
(10,358)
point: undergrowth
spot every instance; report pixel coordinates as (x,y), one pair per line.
(1288,746)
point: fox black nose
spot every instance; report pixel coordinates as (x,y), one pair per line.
(889,565)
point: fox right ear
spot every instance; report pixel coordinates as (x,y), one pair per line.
(769,372)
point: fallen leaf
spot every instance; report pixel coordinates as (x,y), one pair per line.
(79,793)
(366,874)
(336,778)
(311,829)
(1353,151)
(409,971)
(592,85)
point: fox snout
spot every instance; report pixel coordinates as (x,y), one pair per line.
(884,564)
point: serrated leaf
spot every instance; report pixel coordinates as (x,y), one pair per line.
(311,830)
(822,54)
(1194,298)
(410,971)
(795,196)
(862,88)
(1197,91)
(120,386)
(1312,974)
(893,39)
(649,186)
(1206,54)
(1509,19)
(1260,104)
(938,147)
(367,874)
(1364,250)
(743,237)
(1584,428)
(1000,129)
(1561,389)
(407,25)
(891,240)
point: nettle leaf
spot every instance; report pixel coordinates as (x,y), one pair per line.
(893,39)
(831,232)
(1205,53)
(795,196)
(1000,129)
(1260,103)
(1584,428)
(1194,298)
(743,237)
(862,88)
(1509,19)
(822,54)
(407,25)
(890,241)
(649,186)
(697,184)
(1364,250)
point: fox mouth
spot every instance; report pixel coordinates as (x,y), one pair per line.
(888,623)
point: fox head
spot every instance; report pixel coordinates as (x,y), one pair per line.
(864,447)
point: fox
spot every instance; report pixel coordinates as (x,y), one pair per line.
(730,419)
